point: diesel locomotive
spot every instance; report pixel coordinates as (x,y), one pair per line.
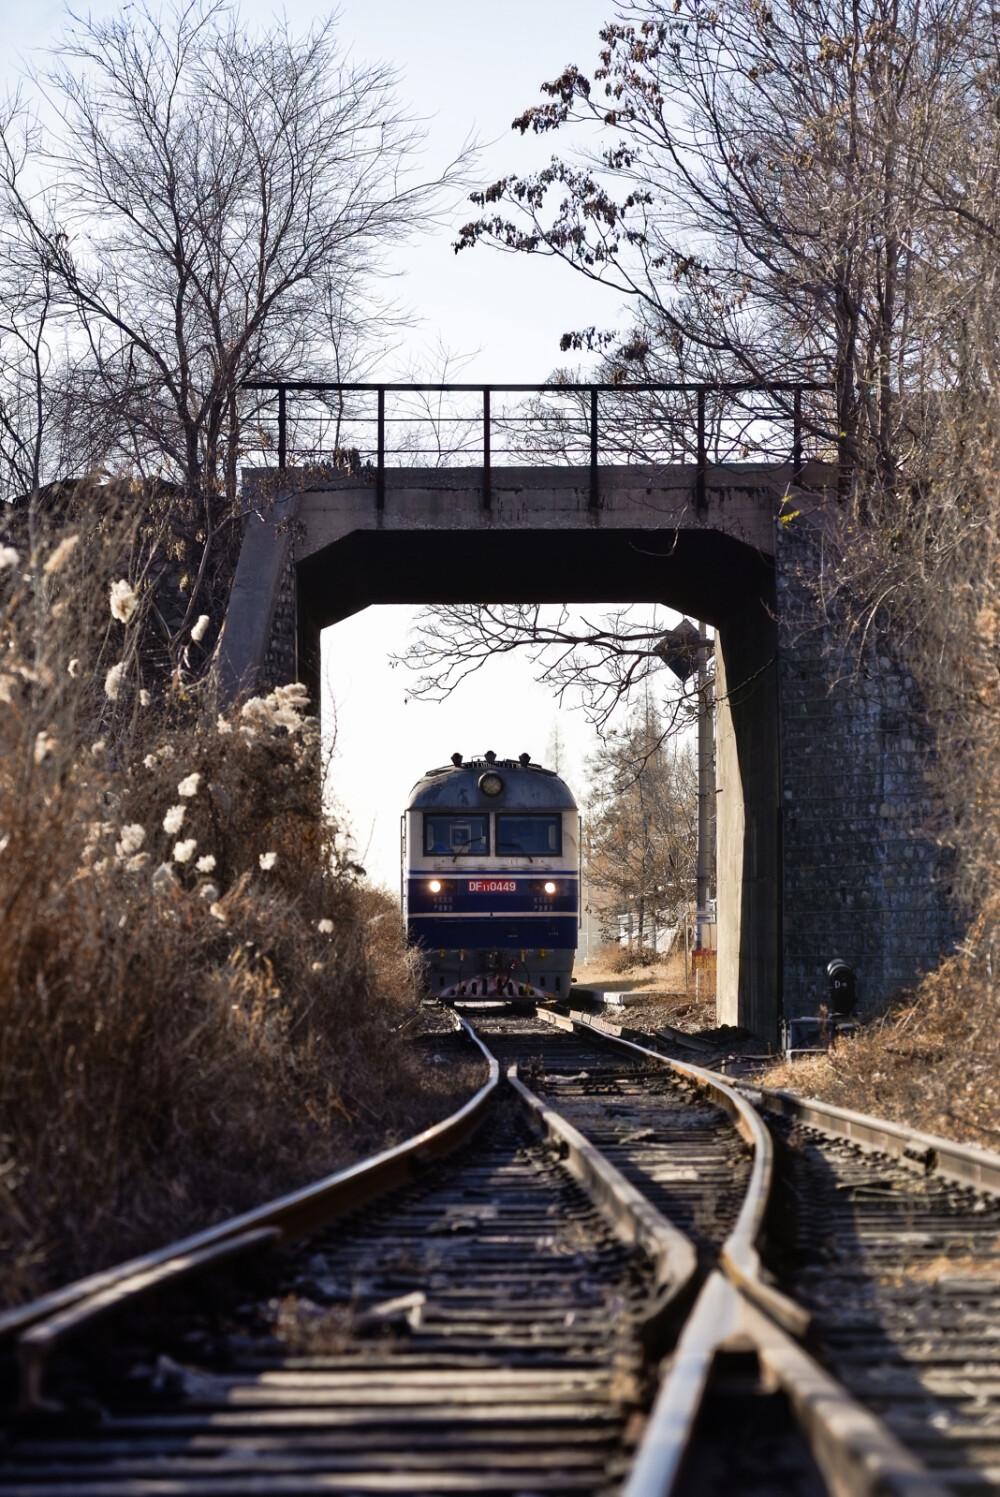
(491,878)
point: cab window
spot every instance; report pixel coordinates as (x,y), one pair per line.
(529,836)
(456,836)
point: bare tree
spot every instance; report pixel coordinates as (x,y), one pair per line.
(760,197)
(598,661)
(642,826)
(211,205)
(25,393)
(772,189)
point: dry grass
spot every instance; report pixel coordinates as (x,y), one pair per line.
(659,991)
(934,1062)
(616,966)
(176,1041)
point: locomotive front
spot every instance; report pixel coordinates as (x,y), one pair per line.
(491,887)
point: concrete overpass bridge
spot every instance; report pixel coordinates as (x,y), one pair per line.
(820,786)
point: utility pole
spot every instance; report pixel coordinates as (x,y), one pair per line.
(688,652)
(705,876)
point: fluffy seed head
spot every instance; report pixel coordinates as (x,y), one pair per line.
(174,820)
(124,601)
(132,838)
(113,681)
(61,555)
(45,745)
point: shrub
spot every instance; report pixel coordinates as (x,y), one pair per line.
(200,1003)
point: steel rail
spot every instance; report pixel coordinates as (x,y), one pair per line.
(294,1402)
(856,1454)
(45,1323)
(739,1255)
(632,1217)
(979,1168)
(906,1304)
(36,1344)
(853,1450)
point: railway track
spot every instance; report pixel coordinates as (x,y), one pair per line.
(559,1289)
(896,1253)
(890,1239)
(675,1144)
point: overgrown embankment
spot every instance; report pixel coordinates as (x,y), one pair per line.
(934,1062)
(200,1003)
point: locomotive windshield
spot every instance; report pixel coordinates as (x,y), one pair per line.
(456,836)
(529,836)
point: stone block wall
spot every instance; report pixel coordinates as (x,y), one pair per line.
(862,877)
(281,657)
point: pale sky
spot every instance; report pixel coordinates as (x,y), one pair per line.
(468,67)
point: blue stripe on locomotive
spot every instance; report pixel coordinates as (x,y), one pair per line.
(557,932)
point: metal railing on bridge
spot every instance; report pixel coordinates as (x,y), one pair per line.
(362,428)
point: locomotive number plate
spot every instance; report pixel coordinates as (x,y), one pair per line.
(492,886)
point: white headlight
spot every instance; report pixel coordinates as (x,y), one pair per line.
(550,888)
(435,886)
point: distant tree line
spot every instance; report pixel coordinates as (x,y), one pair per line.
(640,827)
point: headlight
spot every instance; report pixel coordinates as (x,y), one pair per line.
(490,783)
(550,888)
(435,886)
